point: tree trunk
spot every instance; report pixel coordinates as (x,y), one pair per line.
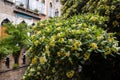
(16,57)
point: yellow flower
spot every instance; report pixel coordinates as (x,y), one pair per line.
(53,38)
(29,74)
(42,38)
(47,47)
(67,54)
(100,37)
(23,78)
(115,23)
(74,47)
(107,12)
(33,36)
(39,32)
(70,74)
(33,27)
(53,70)
(32,70)
(61,40)
(52,43)
(93,18)
(107,51)
(34,60)
(113,7)
(47,29)
(47,77)
(42,60)
(41,24)
(38,68)
(86,56)
(93,45)
(77,54)
(38,73)
(115,49)
(36,42)
(59,54)
(58,28)
(58,24)
(111,39)
(30,49)
(61,34)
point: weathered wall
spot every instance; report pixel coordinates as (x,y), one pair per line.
(15,74)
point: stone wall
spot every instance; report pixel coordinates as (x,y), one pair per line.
(14,74)
(3,66)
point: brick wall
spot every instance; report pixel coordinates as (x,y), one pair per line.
(14,74)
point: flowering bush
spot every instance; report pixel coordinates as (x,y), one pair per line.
(108,8)
(59,45)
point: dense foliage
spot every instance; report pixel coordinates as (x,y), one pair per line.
(109,8)
(72,7)
(59,46)
(16,40)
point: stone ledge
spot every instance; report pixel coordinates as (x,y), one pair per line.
(13,69)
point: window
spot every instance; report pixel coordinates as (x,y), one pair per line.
(57,0)
(7,62)
(50,5)
(43,1)
(5,21)
(24,58)
(56,12)
(21,3)
(42,10)
(2,28)
(50,10)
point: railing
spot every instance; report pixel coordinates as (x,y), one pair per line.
(20,9)
(10,1)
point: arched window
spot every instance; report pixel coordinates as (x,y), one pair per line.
(2,28)
(7,62)
(50,4)
(23,22)
(33,24)
(51,10)
(5,21)
(24,58)
(57,0)
(56,12)
(43,8)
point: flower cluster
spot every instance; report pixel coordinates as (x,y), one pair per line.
(58,46)
(110,9)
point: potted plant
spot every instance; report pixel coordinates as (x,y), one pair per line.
(36,10)
(21,4)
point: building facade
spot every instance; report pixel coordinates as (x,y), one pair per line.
(28,11)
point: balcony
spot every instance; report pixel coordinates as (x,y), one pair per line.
(31,13)
(10,1)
